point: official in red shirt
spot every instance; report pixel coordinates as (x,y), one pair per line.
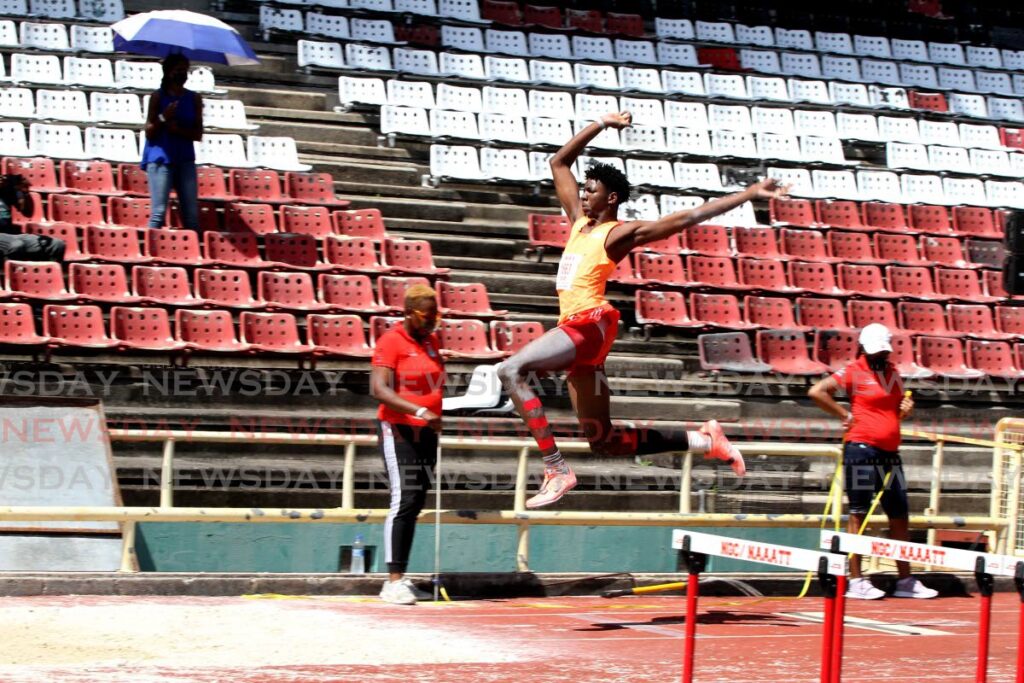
(408,380)
(871,449)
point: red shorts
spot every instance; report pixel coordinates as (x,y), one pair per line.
(593,332)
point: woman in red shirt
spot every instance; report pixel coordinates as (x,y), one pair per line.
(871,449)
(408,380)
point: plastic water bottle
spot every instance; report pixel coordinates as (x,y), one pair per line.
(358,556)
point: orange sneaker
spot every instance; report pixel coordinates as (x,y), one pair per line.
(721,449)
(556,484)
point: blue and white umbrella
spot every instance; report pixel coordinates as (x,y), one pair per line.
(197,36)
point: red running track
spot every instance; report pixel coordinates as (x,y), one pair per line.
(549,640)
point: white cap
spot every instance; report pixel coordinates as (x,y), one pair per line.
(876,338)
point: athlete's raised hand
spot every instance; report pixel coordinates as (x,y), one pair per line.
(617,120)
(769,188)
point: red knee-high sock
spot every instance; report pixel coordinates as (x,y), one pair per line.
(541,431)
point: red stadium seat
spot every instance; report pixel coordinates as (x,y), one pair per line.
(466,338)
(209,217)
(231,288)
(272,333)
(928,101)
(817,278)
(586,20)
(786,352)
(89,177)
(1010,319)
(258,219)
(379,324)
(293,251)
(773,312)
(730,352)
(624,273)
(165,286)
(131,179)
(312,188)
(823,314)
(337,335)
(512,336)
(130,212)
(993,280)
(666,245)
(467,299)
(725,58)
(790,211)
(547,231)
(989,253)
(306,220)
(661,268)
(255,185)
(865,280)
(930,218)
(919,317)
(885,216)
(838,213)
(425,35)
(757,242)
(391,290)
(665,309)
(975,221)
(66,232)
(1012,137)
(143,329)
(212,184)
(76,326)
(765,274)
(543,15)
(945,357)
(81,209)
(18,326)
(898,248)
(208,331)
(624,24)
(349,293)
(34,280)
(808,245)
(904,358)
(976,321)
(105,282)
(112,243)
(411,256)
(913,281)
(863,312)
(836,348)
(718,310)
(232,249)
(174,247)
(501,11)
(994,358)
(855,247)
(962,284)
(38,171)
(288,291)
(353,253)
(715,272)
(947,251)
(708,240)
(366,223)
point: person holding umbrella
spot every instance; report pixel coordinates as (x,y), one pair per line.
(174,122)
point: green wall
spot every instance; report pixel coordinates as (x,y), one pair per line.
(315,548)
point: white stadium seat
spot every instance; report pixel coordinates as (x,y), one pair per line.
(92,38)
(227,150)
(278,153)
(511,101)
(123,108)
(62,105)
(91,73)
(112,144)
(59,142)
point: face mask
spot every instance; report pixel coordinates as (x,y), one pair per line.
(179,79)
(878,363)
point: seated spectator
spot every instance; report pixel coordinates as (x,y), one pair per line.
(14,194)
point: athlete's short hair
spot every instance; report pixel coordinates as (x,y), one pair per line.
(612,178)
(417,293)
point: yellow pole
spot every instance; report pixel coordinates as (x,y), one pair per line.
(686,483)
(519,505)
(348,486)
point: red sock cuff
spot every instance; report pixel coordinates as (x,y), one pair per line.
(546,443)
(532,404)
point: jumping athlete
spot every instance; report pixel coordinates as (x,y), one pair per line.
(587,324)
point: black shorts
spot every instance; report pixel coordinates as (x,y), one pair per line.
(864,471)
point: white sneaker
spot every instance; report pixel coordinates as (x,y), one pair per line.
(397,593)
(912,588)
(417,593)
(861,589)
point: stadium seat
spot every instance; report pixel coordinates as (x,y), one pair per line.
(143,329)
(255,185)
(466,299)
(113,243)
(944,356)
(767,275)
(715,272)
(839,214)
(106,282)
(898,248)
(38,171)
(230,288)
(988,253)
(822,314)
(759,242)
(976,320)
(255,219)
(213,185)
(962,284)
(816,278)
(411,256)
(66,232)
(918,317)
(708,240)
(947,251)
(730,352)
(547,231)
(665,309)
(208,331)
(40,69)
(18,326)
(75,208)
(232,249)
(466,338)
(272,333)
(356,254)
(994,358)
(885,216)
(35,280)
(835,348)
(306,220)
(792,211)
(391,290)
(666,269)
(993,280)
(786,352)
(312,188)
(226,150)
(290,251)
(163,286)
(94,39)
(129,212)
(930,219)
(367,223)
(512,336)
(79,327)
(624,273)
(349,293)
(807,245)
(913,281)
(975,221)
(718,310)
(864,280)
(1010,319)
(337,335)
(62,105)
(133,180)
(772,312)
(288,291)
(111,144)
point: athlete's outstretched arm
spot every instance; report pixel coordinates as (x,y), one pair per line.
(566,186)
(622,239)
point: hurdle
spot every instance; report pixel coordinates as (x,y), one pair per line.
(831,568)
(985,566)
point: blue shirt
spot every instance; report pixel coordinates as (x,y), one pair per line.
(167,148)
